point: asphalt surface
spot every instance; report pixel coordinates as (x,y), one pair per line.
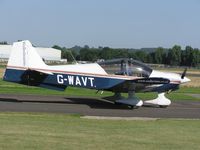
(94,107)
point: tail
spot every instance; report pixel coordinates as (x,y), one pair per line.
(24,55)
(25,66)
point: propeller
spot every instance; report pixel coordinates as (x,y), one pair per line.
(184,73)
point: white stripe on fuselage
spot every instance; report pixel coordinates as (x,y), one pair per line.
(78,73)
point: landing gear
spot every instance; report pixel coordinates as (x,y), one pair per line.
(132,101)
(118,96)
(133,107)
(160,101)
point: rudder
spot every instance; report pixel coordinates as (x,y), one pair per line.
(23,54)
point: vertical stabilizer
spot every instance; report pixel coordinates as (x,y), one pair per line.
(23,54)
(25,66)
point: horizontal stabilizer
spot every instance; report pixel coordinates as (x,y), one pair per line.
(42,71)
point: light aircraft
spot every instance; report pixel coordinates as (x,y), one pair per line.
(25,66)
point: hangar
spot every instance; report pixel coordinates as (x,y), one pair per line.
(49,54)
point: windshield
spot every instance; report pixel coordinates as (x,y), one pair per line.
(125,66)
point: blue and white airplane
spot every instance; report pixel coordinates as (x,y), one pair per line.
(25,66)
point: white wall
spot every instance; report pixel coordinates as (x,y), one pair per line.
(5,51)
(49,53)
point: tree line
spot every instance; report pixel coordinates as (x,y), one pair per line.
(175,56)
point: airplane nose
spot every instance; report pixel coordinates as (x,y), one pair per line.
(185,79)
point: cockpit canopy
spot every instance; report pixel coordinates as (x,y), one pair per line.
(125,66)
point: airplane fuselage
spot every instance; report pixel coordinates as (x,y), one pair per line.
(61,80)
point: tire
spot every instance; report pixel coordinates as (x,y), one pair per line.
(133,107)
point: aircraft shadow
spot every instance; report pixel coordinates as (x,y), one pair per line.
(104,103)
(96,103)
(91,102)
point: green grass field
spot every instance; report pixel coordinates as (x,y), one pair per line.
(54,131)
(58,131)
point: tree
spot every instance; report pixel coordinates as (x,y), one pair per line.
(132,54)
(120,53)
(174,55)
(141,55)
(195,58)
(106,53)
(150,57)
(57,47)
(67,54)
(87,54)
(158,56)
(83,54)
(188,55)
(183,58)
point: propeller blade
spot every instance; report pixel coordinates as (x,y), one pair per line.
(184,73)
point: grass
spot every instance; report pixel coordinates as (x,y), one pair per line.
(195,82)
(59,131)
(50,131)
(191,90)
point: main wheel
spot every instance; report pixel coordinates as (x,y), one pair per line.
(133,107)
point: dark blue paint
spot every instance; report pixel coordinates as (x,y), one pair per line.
(35,78)
(166,87)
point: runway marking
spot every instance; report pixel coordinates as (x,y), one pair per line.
(133,118)
(120,118)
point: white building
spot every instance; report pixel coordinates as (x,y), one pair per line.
(5,51)
(49,54)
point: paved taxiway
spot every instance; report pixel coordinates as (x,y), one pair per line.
(94,107)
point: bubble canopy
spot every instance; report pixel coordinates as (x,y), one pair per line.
(125,66)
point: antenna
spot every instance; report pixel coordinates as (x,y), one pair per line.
(72,56)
